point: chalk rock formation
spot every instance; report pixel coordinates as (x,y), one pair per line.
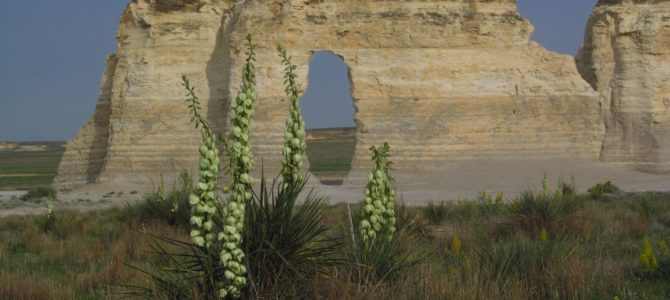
(626,57)
(439,80)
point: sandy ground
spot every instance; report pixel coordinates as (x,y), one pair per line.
(453,181)
(468,179)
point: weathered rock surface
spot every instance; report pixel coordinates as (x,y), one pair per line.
(441,81)
(626,57)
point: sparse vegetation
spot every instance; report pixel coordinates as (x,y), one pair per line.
(39,193)
(596,256)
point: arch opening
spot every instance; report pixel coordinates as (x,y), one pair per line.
(559,25)
(328,110)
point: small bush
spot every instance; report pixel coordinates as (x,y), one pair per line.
(603,190)
(38,193)
(437,213)
(158,206)
(382,263)
(555,213)
(526,264)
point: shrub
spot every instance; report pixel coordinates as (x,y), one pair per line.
(527,264)
(437,213)
(37,193)
(158,206)
(381,262)
(532,212)
(603,190)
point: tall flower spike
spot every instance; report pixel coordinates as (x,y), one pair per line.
(203,201)
(379,207)
(240,160)
(294,138)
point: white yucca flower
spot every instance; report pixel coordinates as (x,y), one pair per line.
(203,201)
(379,205)
(240,160)
(294,138)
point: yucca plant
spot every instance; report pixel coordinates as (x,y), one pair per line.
(294,137)
(286,244)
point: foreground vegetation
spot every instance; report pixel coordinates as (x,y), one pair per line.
(586,246)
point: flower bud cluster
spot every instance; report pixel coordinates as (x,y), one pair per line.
(240,161)
(203,201)
(379,207)
(294,138)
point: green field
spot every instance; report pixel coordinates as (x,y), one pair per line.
(329,154)
(31,164)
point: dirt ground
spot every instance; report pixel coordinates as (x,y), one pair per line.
(468,179)
(453,181)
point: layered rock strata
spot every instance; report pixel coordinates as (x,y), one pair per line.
(439,80)
(626,57)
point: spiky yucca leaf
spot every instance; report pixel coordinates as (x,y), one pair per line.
(286,243)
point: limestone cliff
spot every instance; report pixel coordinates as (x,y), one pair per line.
(439,80)
(626,57)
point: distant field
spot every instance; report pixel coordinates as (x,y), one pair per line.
(29,164)
(330,152)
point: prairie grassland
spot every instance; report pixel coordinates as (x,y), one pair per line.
(530,246)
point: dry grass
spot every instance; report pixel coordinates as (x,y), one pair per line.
(83,258)
(595,256)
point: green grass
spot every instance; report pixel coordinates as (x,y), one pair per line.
(22,169)
(330,153)
(330,159)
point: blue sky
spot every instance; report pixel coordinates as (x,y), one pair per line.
(53,53)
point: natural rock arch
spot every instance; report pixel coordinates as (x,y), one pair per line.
(439,80)
(329,112)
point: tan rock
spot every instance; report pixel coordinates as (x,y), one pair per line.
(440,81)
(626,57)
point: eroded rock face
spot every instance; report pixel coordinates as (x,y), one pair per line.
(439,80)
(626,57)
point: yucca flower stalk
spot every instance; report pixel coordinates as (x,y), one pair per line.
(379,207)
(204,200)
(50,208)
(294,138)
(240,160)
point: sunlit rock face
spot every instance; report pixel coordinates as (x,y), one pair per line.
(626,57)
(441,80)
